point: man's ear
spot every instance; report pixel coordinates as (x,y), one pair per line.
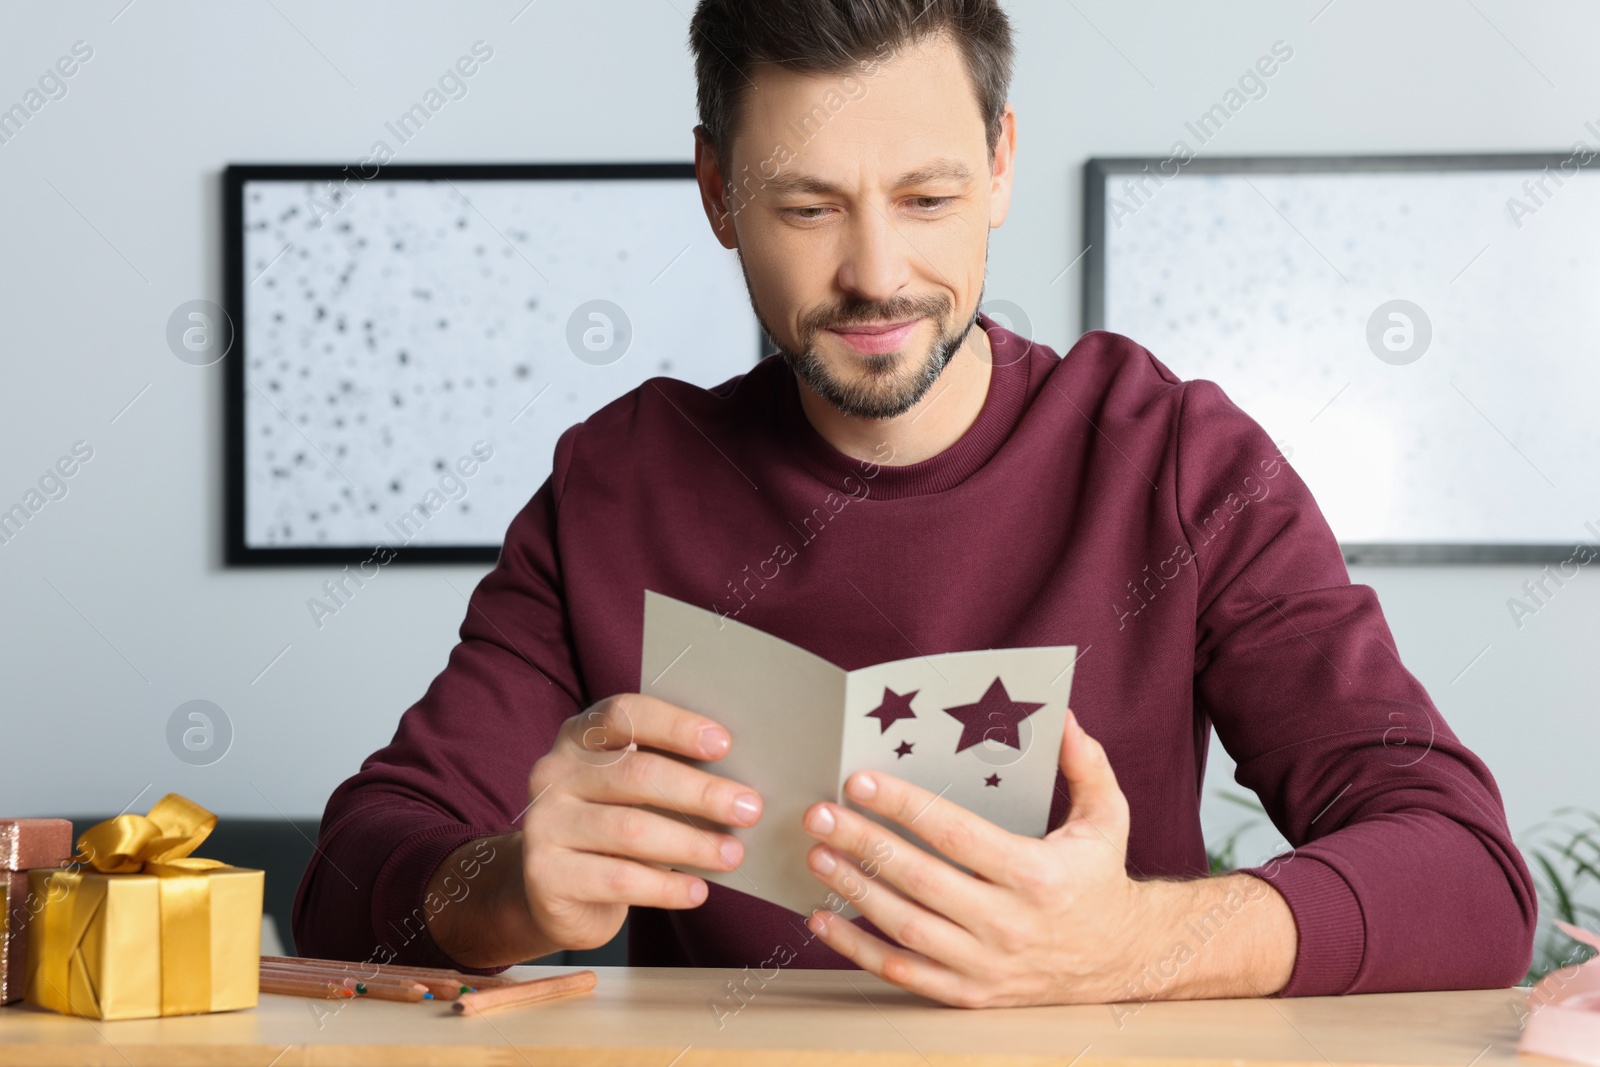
(713,189)
(1003,170)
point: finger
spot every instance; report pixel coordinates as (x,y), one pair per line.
(902,967)
(959,834)
(590,878)
(910,924)
(635,833)
(919,875)
(628,719)
(661,781)
(1097,799)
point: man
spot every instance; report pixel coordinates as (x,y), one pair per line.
(927,487)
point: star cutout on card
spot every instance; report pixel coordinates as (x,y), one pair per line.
(894,707)
(994,717)
(903,750)
(993,779)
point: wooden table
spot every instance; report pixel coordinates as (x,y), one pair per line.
(661,1017)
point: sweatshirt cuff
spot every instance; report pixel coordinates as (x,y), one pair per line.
(399,910)
(1328,917)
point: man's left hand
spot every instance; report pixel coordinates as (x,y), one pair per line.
(1047,920)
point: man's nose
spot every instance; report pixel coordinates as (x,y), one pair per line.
(876,257)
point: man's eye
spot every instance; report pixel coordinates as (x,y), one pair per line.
(922,204)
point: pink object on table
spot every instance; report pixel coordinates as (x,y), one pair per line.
(1564,1009)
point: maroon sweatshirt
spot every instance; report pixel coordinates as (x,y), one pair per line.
(1097,500)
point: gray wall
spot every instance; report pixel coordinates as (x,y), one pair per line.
(116,607)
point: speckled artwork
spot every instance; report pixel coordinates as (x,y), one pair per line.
(1475,421)
(408,332)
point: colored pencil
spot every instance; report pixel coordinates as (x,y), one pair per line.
(561,985)
(474,981)
(380,988)
(441,988)
(303,987)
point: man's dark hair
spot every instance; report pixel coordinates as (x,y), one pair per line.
(729,37)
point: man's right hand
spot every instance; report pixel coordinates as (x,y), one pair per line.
(590,847)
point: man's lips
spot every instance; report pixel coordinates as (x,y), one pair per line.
(878,338)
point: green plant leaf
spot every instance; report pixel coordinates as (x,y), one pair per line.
(1584,837)
(1563,899)
(1582,865)
(1241,799)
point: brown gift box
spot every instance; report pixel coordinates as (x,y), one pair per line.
(24,843)
(13,928)
(28,843)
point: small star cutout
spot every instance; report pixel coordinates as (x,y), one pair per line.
(994,717)
(894,707)
(993,779)
(903,750)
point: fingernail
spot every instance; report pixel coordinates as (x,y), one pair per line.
(817,924)
(821,821)
(697,892)
(823,862)
(747,807)
(732,852)
(862,787)
(713,741)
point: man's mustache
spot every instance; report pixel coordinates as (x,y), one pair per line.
(879,315)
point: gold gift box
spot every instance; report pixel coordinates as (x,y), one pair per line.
(135,927)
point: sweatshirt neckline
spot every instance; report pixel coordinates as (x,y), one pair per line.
(1002,408)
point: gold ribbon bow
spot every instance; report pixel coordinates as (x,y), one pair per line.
(157,844)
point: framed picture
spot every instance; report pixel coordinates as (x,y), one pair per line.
(410,342)
(1418,333)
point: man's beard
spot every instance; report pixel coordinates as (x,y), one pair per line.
(888,388)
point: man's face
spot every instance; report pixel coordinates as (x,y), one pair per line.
(860,207)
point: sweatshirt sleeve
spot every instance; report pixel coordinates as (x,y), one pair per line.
(1396,859)
(458,765)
